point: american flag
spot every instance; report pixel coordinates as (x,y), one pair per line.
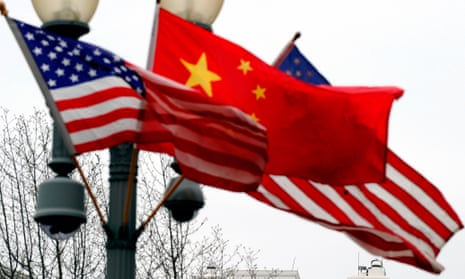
(100,100)
(405,218)
(91,88)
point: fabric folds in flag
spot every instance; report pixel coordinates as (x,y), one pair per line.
(99,100)
(330,135)
(213,144)
(405,218)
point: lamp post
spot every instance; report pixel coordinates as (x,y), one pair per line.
(60,202)
(70,18)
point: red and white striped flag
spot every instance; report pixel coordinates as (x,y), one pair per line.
(213,144)
(98,100)
(405,218)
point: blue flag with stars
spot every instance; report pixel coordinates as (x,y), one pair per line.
(298,66)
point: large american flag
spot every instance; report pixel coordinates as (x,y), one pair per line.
(405,218)
(99,100)
(88,89)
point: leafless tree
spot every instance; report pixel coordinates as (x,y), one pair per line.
(25,251)
(166,249)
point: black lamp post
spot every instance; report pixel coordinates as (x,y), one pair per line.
(60,209)
(60,202)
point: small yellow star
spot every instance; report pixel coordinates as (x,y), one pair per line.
(245,67)
(254,117)
(200,75)
(259,92)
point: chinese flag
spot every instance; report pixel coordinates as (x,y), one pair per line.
(327,134)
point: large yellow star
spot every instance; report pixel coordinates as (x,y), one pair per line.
(259,92)
(200,75)
(245,67)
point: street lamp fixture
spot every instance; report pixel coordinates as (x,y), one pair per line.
(71,15)
(185,201)
(201,12)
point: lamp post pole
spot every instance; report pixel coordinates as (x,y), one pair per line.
(69,18)
(121,238)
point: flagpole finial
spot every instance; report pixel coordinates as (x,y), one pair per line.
(296,36)
(3,9)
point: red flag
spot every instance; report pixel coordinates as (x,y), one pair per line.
(330,135)
(405,218)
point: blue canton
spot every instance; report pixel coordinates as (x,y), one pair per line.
(296,65)
(66,62)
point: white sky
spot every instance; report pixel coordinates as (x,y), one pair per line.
(418,45)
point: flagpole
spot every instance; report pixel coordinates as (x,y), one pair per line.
(3,9)
(89,190)
(286,50)
(132,174)
(153,36)
(161,202)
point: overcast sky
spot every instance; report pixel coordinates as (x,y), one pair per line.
(416,45)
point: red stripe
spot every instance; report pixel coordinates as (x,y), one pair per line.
(96,98)
(101,120)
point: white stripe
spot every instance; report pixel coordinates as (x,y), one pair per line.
(274,200)
(406,213)
(388,223)
(423,198)
(101,108)
(87,88)
(300,197)
(236,175)
(342,204)
(89,135)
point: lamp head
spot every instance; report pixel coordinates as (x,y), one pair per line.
(66,17)
(202,12)
(185,201)
(60,207)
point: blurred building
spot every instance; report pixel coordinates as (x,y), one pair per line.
(266,274)
(374,271)
(252,274)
